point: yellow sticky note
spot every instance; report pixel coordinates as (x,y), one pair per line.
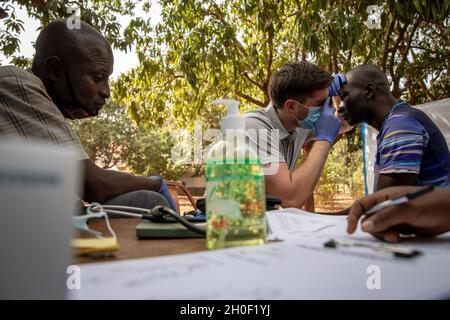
(94,245)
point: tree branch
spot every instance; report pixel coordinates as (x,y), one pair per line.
(387,39)
(422,84)
(250,99)
(395,48)
(335,63)
(408,46)
(404,54)
(168,81)
(220,16)
(303,54)
(269,63)
(367,58)
(349,56)
(256,83)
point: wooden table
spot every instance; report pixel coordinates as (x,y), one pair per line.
(132,248)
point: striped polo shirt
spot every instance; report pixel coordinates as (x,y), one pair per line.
(410,142)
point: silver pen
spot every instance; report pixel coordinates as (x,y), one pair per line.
(399,200)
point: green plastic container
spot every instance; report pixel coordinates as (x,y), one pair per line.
(235,192)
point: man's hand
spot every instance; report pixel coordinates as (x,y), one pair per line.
(328,125)
(338,80)
(427,215)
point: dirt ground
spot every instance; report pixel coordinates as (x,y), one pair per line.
(341,201)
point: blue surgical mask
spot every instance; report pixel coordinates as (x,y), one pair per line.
(310,121)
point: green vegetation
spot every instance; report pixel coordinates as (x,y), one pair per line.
(205,49)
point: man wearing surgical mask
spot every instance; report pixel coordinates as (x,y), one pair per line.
(300,112)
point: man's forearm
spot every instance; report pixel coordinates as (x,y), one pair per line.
(102,185)
(395,179)
(121,182)
(305,178)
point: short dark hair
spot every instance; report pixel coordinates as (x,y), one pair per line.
(297,80)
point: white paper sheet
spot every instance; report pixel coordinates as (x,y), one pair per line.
(314,230)
(288,224)
(298,268)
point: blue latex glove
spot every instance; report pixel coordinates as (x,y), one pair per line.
(338,80)
(164,191)
(328,125)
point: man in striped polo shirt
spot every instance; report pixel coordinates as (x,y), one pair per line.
(411,150)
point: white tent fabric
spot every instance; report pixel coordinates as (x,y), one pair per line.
(438,111)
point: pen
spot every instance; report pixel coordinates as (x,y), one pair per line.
(400,252)
(400,200)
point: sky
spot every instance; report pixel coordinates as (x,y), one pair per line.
(122,61)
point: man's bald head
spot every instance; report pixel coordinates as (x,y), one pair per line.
(56,39)
(74,64)
(364,94)
(368,73)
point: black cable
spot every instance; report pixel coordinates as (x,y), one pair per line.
(160,213)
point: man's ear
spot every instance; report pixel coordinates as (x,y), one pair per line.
(54,68)
(371,91)
(287,104)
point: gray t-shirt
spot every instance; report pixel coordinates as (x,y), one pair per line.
(272,141)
